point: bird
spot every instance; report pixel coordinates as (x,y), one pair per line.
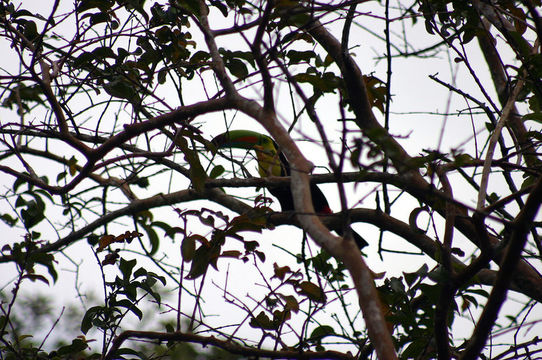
(272,162)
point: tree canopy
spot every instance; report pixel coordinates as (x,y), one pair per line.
(419,120)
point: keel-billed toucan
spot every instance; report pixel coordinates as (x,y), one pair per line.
(271,162)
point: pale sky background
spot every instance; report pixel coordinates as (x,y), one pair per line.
(414,94)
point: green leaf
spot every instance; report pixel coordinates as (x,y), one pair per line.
(250,245)
(76,346)
(321,332)
(197,172)
(312,291)
(291,303)
(129,289)
(260,255)
(61,175)
(82,61)
(88,318)
(33,214)
(397,285)
(469,34)
(519,18)
(246,223)
(237,68)
(192,6)
(129,305)
(188,248)
(469,300)
(72,166)
(328,82)
(47,260)
(17,183)
(520,44)
(153,239)
(127,351)
(162,279)
(300,56)
(410,278)
(529,180)
(126,267)
(417,348)
(164,226)
(30,30)
(24,336)
(163,34)
(103,5)
(480,292)
(98,18)
(121,88)
(9,220)
(533,116)
(231,253)
(21,95)
(217,171)
(104,52)
(221,7)
(199,57)
(262,321)
(534,104)
(36,277)
(297,19)
(462,159)
(207,254)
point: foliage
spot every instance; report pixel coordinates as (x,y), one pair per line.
(108,109)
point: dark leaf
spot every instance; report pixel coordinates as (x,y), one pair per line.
(188,248)
(262,321)
(217,171)
(321,332)
(87,321)
(197,172)
(76,346)
(153,239)
(126,267)
(312,291)
(237,68)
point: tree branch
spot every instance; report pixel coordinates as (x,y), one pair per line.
(227,345)
(518,238)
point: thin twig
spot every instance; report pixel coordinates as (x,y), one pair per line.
(493,143)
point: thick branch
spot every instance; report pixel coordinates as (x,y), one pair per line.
(520,228)
(345,251)
(131,131)
(525,276)
(137,206)
(227,345)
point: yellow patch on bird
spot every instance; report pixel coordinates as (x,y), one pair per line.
(268,161)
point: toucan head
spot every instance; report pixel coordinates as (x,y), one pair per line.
(270,161)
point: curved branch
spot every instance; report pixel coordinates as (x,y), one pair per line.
(139,205)
(130,131)
(370,216)
(228,345)
(525,276)
(45,84)
(520,228)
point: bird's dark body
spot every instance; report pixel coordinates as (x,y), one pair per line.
(282,193)
(319,200)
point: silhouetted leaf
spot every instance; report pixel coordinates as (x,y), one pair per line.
(262,321)
(312,291)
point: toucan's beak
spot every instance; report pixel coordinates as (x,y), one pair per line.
(241,139)
(266,152)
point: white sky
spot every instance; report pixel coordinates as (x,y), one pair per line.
(414,94)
